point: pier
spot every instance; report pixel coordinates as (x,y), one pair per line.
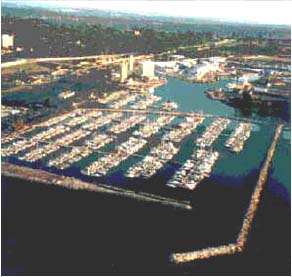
(175,113)
(241,241)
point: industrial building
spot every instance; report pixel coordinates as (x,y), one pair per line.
(201,69)
(146,69)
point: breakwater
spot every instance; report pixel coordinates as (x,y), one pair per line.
(44,177)
(241,241)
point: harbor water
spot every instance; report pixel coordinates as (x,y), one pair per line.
(191,98)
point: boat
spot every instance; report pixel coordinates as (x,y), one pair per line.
(66,94)
(169,106)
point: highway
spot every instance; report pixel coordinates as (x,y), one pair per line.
(111,56)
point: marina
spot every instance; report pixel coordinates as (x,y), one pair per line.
(72,137)
(145,140)
(101,142)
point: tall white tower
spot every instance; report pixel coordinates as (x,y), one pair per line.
(123,71)
(131,63)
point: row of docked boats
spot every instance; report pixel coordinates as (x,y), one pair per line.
(57,119)
(147,102)
(165,151)
(185,128)
(153,127)
(66,159)
(238,137)
(45,150)
(127,123)
(72,118)
(98,141)
(101,121)
(8,139)
(155,160)
(124,101)
(77,120)
(194,170)
(26,143)
(113,96)
(212,132)
(115,157)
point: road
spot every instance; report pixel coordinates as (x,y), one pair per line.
(57,59)
(112,56)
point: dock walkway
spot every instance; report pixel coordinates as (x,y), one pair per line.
(176,113)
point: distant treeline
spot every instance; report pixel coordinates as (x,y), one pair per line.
(41,38)
(128,21)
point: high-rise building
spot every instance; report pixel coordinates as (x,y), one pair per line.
(123,71)
(147,69)
(131,63)
(7,40)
